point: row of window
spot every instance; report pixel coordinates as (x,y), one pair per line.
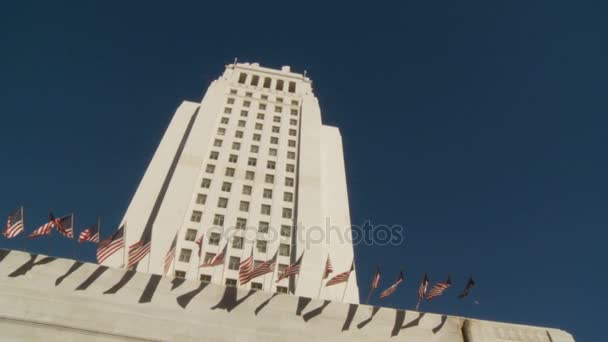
(247,190)
(233,158)
(218,219)
(264,97)
(261,106)
(249,175)
(266,82)
(258,126)
(206,278)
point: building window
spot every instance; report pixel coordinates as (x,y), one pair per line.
(222,202)
(210,168)
(290,168)
(294,112)
(230,282)
(214,239)
(278,109)
(291,143)
(267,193)
(262,106)
(294,102)
(270,164)
(242,78)
(237,242)
(260,116)
(249,175)
(229,172)
(281,289)
(255,79)
(287,213)
(286,231)
(218,220)
(263,227)
(205,278)
(233,91)
(258,126)
(221,131)
(226,186)
(217,143)
(230,100)
(266,82)
(238,134)
(246,103)
(241,223)
(236,145)
(247,189)
(257,137)
(260,246)
(233,263)
(209,256)
(248,94)
(214,155)
(264,97)
(276,119)
(272,151)
(284,249)
(196,216)
(293,122)
(227,110)
(256,286)
(224,120)
(291,155)
(185,254)
(206,183)
(287,197)
(254,149)
(252,162)
(274,140)
(244,113)
(242,123)
(269,179)
(275,129)
(292,132)
(288,181)
(265,209)
(180,274)
(233,158)
(244,206)
(190,235)
(292,87)
(201,199)
(279,85)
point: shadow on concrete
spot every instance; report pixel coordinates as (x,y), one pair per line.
(350,315)
(229,301)
(126,278)
(375,310)
(76,265)
(302,303)
(315,312)
(91,279)
(263,305)
(400,318)
(437,328)
(549,336)
(146,296)
(4,253)
(185,299)
(177,282)
(23,269)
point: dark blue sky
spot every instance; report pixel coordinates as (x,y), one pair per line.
(479,127)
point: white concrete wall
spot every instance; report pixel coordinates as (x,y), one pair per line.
(47,299)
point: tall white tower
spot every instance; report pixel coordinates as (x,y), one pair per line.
(252,167)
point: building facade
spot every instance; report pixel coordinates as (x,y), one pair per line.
(250,169)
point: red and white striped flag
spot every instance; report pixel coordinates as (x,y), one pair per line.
(292,269)
(14,224)
(424,285)
(111,245)
(45,229)
(170,255)
(439,289)
(375,283)
(140,249)
(199,243)
(341,278)
(329,268)
(263,268)
(218,259)
(65,226)
(90,234)
(393,287)
(245,269)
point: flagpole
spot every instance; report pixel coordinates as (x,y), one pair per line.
(75,249)
(124,249)
(298,281)
(322,274)
(346,287)
(23,222)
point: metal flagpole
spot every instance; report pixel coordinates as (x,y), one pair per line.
(124,248)
(298,281)
(346,285)
(23,222)
(75,249)
(322,274)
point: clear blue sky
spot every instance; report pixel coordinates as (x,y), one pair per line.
(479,127)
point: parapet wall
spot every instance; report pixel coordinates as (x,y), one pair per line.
(51,299)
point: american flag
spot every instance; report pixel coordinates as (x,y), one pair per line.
(199,243)
(376,280)
(140,249)
(393,287)
(45,229)
(263,268)
(218,259)
(14,224)
(340,278)
(329,268)
(65,226)
(439,288)
(467,288)
(170,255)
(245,269)
(110,245)
(90,234)
(292,269)
(424,285)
